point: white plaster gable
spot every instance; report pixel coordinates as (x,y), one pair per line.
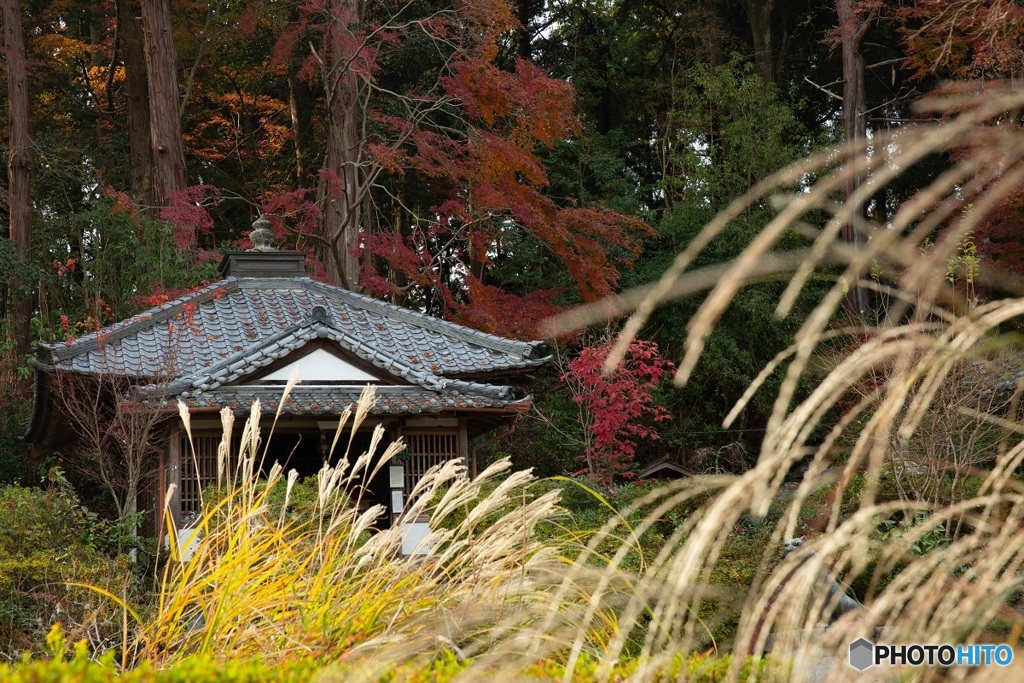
(320,366)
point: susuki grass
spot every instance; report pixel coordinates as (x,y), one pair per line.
(329,586)
(900,362)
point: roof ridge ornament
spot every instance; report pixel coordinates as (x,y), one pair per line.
(262,235)
(319,314)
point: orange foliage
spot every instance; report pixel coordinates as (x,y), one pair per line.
(249,128)
(964,38)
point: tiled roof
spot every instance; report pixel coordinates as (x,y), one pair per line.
(231,328)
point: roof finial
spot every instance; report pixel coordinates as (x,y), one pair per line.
(262,236)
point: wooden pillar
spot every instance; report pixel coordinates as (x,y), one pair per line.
(173,473)
(464,447)
(396,481)
(160,497)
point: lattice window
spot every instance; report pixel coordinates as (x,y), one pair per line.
(192,484)
(427,449)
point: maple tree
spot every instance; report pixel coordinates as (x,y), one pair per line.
(421,183)
(616,410)
(974,41)
(964,38)
(119,441)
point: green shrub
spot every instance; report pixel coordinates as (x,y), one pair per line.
(80,667)
(48,541)
(13,416)
(695,668)
(301,498)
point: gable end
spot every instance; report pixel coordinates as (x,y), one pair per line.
(321,361)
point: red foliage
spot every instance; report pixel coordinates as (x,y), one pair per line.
(478,305)
(999,239)
(498,312)
(510,115)
(997,234)
(617,410)
(187,214)
(65,326)
(249,20)
(65,267)
(122,203)
(864,13)
(293,216)
(161,295)
(292,213)
(404,256)
(496,180)
(88,325)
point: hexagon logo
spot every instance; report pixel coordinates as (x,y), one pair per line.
(862,654)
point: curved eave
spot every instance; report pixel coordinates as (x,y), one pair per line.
(42,411)
(334,399)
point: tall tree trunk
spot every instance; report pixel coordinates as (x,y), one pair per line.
(300,105)
(767,57)
(19,164)
(712,40)
(526,10)
(853,28)
(140,152)
(344,184)
(164,111)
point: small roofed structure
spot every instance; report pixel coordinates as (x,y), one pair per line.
(663,469)
(438,384)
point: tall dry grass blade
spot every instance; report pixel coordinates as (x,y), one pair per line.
(659,294)
(293,379)
(367,399)
(227,424)
(940,564)
(339,429)
(186,421)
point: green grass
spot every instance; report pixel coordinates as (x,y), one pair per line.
(79,667)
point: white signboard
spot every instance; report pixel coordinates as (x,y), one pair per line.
(416,538)
(396,473)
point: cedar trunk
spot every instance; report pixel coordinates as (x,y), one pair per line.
(164,111)
(767,55)
(526,10)
(300,106)
(853,29)
(712,38)
(19,165)
(344,184)
(132,48)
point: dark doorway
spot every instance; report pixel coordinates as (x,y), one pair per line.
(306,452)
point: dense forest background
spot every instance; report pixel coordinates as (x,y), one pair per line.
(489,161)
